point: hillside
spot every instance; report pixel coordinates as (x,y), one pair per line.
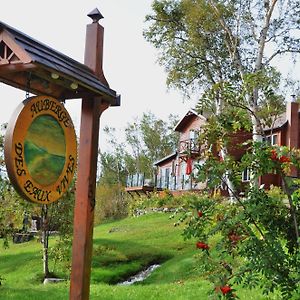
(121,248)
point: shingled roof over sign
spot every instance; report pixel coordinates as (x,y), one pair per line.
(30,65)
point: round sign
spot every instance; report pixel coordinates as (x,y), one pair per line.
(41,149)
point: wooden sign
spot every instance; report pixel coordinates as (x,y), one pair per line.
(41,149)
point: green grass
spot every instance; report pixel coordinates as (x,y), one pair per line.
(121,248)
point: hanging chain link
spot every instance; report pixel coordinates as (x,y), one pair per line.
(28,86)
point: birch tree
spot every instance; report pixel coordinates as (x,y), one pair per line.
(207,43)
(204,42)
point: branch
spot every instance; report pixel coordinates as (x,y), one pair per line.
(279,52)
(292,207)
(237,198)
(263,35)
(232,43)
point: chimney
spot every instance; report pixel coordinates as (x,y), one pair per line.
(292,116)
(292,138)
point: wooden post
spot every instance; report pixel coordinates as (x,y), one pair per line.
(87,168)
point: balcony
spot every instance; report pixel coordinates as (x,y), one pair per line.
(189,147)
(137,183)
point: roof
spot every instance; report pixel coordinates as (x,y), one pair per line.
(185,119)
(166,158)
(279,122)
(35,61)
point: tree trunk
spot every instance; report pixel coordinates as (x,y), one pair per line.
(223,154)
(45,240)
(292,208)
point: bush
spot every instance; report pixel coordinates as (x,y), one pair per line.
(111,202)
(249,243)
(156,200)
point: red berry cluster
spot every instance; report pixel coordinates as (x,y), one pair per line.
(201,245)
(282,159)
(225,289)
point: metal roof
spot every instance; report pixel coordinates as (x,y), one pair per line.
(44,60)
(166,158)
(279,122)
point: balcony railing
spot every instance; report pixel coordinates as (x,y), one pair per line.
(139,179)
(189,147)
(159,182)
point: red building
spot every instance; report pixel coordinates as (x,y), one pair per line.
(177,172)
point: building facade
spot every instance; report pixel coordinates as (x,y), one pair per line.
(177,171)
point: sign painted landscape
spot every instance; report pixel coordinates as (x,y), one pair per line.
(45,150)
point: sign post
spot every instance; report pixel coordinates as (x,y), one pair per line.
(87,168)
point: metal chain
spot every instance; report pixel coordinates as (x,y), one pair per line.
(28,86)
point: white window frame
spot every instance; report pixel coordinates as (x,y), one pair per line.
(272,139)
(192,134)
(246,175)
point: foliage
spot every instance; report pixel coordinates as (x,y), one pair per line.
(61,215)
(207,46)
(115,164)
(253,241)
(111,203)
(14,212)
(141,204)
(147,140)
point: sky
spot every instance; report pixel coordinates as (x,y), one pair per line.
(130,62)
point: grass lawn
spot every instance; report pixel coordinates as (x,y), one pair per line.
(121,248)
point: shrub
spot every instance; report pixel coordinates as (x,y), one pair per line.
(254,240)
(111,202)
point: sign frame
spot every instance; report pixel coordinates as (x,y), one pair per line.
(27,175)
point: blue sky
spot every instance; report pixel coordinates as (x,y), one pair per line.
(129,61)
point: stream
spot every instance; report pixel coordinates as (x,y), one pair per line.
(140,276)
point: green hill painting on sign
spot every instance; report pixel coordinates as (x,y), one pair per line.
(45,150)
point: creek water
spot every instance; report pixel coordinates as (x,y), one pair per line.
(140,276)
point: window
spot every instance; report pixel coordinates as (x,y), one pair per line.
(271,139)
(246,175)
(192,134)
(167,177)
(274,139)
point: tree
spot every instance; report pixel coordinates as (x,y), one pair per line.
(148,139)
(151,139)
(60,215)
(224,52)
(203,43)
(209,45)
(254,241)
(15,214)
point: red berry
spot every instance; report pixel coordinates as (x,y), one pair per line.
(274,154)
(201,245)
(225,289)
(284,159)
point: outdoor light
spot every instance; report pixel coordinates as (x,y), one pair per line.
(74,85)
(54,75)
